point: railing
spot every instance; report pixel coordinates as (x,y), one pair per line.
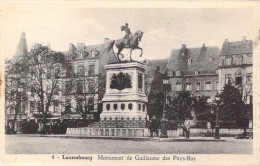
(120,123)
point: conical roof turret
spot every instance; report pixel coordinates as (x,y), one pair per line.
(21,49)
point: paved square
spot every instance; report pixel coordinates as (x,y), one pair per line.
(48,145)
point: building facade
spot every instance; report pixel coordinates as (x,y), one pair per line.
(83,65)
(194,70)
(236,67)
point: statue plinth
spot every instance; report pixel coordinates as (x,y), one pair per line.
(125,96)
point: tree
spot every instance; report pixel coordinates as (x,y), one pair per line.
(201,107)
(156,96)
(234,108)
(181,106)
(16,76)
(46,71)
(85,91)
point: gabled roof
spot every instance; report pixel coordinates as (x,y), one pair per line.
(238,47)
(204,59)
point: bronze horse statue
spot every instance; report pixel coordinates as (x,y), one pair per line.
(133,44)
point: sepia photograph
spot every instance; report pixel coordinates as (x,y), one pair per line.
(129,83)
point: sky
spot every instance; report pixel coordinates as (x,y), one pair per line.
(164,28)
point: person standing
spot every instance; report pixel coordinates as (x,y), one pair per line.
(187,125)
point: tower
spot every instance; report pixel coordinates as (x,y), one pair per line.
(21,50)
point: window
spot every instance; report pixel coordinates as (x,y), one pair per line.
(249,77)
(57,72)
(115,106)
(189,61)
(228,79)
(143,107)
(81,55)
(188,86)
(68,87)
(130,106)
(228,61)
(178,73)
(91,104)
(32,107)
(48,74)
(56,91)
(108,107)
(217,85)
(92,54)
(238,79)
(196,72)
(198,86)
(239,60)
(79,86)
(69,70)
(91,87)
(91,71)
(169,73)
(208,85)
(122,106)
(55,105)
(178,87)
(80,71)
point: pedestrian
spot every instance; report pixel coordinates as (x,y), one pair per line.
(153,127)
(187,125)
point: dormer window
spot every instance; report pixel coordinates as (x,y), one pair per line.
(228,61)
(81,55)
(178,73)
(170,73)
(92,54)
(196,72)
(189,61)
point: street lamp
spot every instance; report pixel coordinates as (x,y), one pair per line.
(164,121)
(19,121)
(217,99)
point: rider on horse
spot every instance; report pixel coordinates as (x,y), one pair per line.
(127,33)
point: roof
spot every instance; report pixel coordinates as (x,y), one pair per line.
(204,59)
(152,66)
(238,47)
(99,51)
(22,49)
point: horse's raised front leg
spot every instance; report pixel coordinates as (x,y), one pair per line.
(141,50)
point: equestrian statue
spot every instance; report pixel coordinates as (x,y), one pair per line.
(130,41)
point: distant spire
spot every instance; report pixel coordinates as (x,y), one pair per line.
(22,49)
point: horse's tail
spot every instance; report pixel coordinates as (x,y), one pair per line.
(110,44)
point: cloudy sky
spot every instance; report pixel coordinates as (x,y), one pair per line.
(164,29)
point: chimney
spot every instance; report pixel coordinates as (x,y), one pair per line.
(80,46)
(226,41)
(244,38)
(203,47)
(183,49)
(183,46)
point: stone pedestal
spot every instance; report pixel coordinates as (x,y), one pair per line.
(125,97)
